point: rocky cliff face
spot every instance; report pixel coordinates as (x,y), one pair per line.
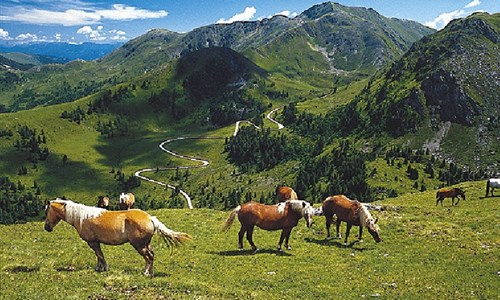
(446,99)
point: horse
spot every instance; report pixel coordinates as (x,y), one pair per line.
(285,216)
(285,193)
(450,193)
(127,201)
(103,202)
(96,225)
(352,212)
(492,183)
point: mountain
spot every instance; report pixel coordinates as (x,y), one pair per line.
(449,77)
(30,60)
(63,51)
(352,39)
(328,43)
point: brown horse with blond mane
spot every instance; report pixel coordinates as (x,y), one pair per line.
(285,193)
(449,193)
(352,212)
(283,216)
(96,225)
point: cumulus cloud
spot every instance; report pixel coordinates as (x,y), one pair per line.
(4,34)
(474,3)
(74,17)
(27,37)
(443,19)
(118,35)
(246,15)
(96,34)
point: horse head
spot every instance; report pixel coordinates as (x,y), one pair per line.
(54,212)
(462,194)
(374,230)
(308,213)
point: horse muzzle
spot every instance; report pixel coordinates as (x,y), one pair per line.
(48,227)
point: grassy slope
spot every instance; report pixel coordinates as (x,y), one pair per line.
(427,252)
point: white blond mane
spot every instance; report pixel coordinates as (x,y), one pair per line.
(76,213)
(295,205)
(365,218)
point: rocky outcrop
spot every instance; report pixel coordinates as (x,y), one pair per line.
(446,98)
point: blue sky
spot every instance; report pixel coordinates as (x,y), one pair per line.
(121,20)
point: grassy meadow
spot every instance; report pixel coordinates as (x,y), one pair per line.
(427,252)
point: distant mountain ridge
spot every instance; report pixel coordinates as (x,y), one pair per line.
(329,40)
(65,51)
(350,38)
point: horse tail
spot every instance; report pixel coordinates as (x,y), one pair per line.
(172,238)
(230,219)
(487,187)
(437,195)
(293,195)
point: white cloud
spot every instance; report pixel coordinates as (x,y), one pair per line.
(246,15)
(74,17)
(118,35)
(93,34)
(57,36)
(443,19)
(474,3)
(123,12)
(27,37)
(4,34)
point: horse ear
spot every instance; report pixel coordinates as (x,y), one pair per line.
(304,204)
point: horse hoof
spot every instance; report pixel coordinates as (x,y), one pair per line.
(328,238)
(255,251)
(288,247)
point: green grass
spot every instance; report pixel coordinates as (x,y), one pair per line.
(427,252)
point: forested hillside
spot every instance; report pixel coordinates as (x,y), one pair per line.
(373,125)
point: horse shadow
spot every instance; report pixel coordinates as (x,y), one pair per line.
(250,252)
(355,245)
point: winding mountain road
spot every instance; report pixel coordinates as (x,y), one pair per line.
(202,162)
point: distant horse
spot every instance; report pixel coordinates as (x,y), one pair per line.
(353,213)
(450,193)
(103,202)
(127,201)
(283,216)
(286,193)
(96,225)
(492,183)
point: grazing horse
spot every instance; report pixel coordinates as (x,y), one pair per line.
(352,212)
(283,216)
(103,202)
(96,225)
(450,193)
(492,183)
(286,193)
(127,201)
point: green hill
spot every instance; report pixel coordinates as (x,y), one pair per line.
(299,51)
(427,252)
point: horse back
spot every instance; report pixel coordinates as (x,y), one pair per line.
(118,227)
(267,217)
(285,193)
(344,208)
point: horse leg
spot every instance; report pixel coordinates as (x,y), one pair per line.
(250,239)
(360,237)
(241,233)
(287,237)
(337,226)
(348,229)
(101,262)
(147,252)
(329,221)
(285,234)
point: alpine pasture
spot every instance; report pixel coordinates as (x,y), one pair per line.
(427,252)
